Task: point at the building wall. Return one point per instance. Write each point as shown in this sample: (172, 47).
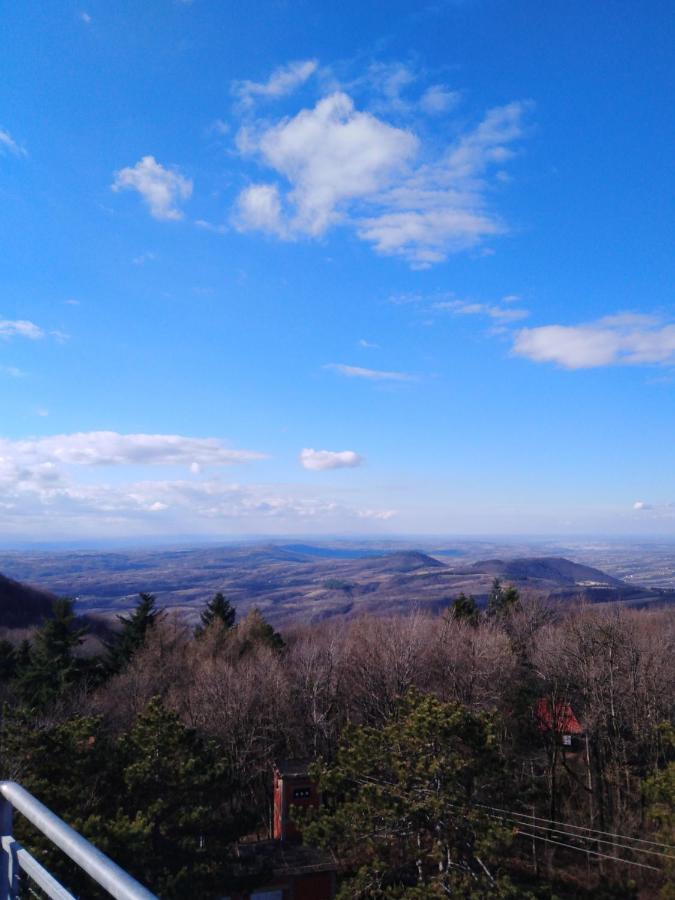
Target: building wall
(290, 792)
(313, 887)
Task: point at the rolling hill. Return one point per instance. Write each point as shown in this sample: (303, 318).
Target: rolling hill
(304, 582)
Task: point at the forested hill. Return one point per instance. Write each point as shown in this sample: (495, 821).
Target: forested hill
(546, 568)
(22, 606)
(302, 583)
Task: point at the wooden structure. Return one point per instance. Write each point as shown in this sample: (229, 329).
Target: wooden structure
(284, 868)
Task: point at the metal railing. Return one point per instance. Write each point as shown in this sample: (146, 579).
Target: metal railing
(15, 859)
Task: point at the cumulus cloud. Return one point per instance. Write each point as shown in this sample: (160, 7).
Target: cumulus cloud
(331, 155)
(259, 208)
(162, 189)
(370, 374)
(282, 81)
(109, 448)
(9, 145)
(10, 328)
(640, 505)
(624, 339)
(320, 460)
(341, 165)
(39, 493)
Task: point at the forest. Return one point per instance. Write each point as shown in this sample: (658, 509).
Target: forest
(526, 749)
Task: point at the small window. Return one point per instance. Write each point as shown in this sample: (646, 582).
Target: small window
(567, 740)
(301, 794)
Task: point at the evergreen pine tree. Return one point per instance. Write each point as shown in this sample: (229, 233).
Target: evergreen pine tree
(257, 631)
(7, 661)
(502, 599)
(52, 668)
(173, 826)
(131, 636)
(465, 608)
(401, 811)
(218, 609)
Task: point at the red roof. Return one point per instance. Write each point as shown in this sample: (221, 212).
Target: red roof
(558, 717)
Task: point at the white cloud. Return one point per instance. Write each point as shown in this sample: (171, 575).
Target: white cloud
(142, 258)
(109, 448)
(85, 17)
(332, 154)
(388, 82)
(20, 328)
(438, 99)
(368, 345)
(220, 126)
(382, 515)
(39, 493)
(319, 460)
(259, 208)
(371, 374)
(13, 372)
(493, 311)
(9, 145)
(624, 339)
(640, 504)
(162, 189)
(282, 81)
(344, 166)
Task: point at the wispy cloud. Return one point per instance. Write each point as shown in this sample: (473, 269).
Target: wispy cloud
(9, 145)
(162, 189)
(623, 339)
(320, 460)
(142, 258)
(493, 311)
(282, 81)
(13, 371)
(85, 17)
(10, 328)
(368, 345)
(370, 374)
(342, 165)
(438, 99)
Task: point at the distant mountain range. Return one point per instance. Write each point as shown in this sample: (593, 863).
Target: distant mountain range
(293, 582)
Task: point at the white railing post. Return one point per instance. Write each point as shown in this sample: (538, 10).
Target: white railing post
(118, 883)
(9, 875)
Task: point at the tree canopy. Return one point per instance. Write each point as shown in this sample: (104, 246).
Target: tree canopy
(400, 807)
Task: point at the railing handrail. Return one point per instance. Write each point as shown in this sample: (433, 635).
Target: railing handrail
(104, 871)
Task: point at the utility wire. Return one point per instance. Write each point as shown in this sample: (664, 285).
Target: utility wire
(626, 862)
(577, 827)
(582, 837)
(596, 853)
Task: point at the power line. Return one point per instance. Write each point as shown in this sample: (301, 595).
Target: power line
(583, 837)
(627, 862)
(577, 827)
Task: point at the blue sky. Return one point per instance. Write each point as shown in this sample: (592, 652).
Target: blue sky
(336, 268)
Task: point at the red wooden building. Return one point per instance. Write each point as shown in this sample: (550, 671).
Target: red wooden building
(284, 868)
(557, 718)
